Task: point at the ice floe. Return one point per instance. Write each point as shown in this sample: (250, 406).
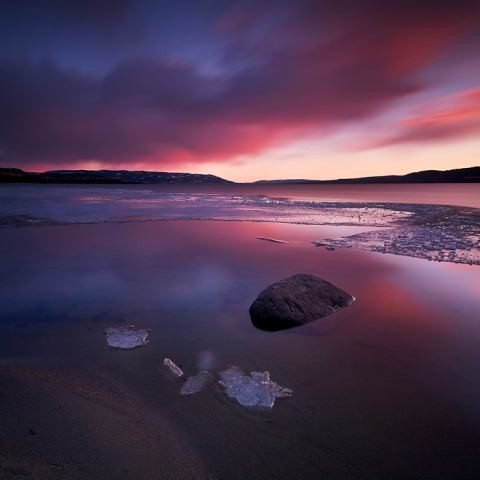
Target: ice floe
(251, 390)
(175, 369)
(254, 390)
(274, 240)
(196, 383)
(126, 337)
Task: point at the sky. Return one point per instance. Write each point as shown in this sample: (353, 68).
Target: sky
(245, 90)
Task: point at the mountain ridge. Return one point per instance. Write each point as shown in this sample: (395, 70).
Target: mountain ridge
(16, 175)
(457, 175)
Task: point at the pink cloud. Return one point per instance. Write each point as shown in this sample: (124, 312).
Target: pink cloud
(447, 117)
(315, 65)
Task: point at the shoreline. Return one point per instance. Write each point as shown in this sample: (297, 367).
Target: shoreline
(393, 237)
(354, 373)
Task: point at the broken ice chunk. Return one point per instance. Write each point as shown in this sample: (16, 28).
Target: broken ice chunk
(177, 371)
(126, 337)
(197, 383)
(254, 390)
(274, 240)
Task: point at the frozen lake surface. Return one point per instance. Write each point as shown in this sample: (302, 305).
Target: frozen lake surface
(449, 233)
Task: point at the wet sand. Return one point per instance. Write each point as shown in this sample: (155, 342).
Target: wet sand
(387, 388)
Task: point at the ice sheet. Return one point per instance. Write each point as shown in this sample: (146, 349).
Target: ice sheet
(434, 232)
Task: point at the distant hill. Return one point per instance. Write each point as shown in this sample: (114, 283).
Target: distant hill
(459, 175)
(13, 175)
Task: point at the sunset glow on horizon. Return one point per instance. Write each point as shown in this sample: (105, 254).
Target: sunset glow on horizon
(323, 90)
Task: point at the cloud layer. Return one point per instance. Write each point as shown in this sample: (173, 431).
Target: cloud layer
(266, 75)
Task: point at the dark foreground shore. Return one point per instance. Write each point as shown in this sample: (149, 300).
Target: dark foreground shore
(386, 388)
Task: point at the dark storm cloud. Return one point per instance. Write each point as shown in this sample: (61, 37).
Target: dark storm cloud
(100, 12)
(279, 68)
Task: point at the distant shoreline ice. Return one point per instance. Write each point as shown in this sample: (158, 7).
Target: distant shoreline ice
(432, 232)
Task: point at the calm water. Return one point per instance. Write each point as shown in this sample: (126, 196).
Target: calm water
(443, 194)
(387, 388)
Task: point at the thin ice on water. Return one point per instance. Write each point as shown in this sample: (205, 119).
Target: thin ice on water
(443, 233)
(254, 390)
(126, 337)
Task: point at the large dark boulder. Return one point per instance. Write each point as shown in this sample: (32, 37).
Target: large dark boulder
(297, 300)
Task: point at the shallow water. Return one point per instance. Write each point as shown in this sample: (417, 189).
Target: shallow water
(386, 388)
